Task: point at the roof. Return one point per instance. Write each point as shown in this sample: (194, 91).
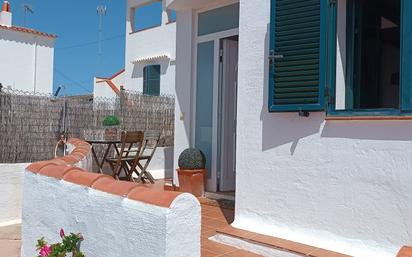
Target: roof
(29, 31)
(152, 59)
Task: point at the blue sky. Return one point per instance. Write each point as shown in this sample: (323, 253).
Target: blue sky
(76, 24)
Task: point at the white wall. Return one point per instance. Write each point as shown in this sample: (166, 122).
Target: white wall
(341, 185)
(149, 43)
(183, 87)
(111, 225)
(103, 89)
(19, 58)
(11, 188)
(161, 166)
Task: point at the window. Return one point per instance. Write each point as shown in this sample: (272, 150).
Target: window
(148, 16)
(373, 47)
(151, 80)
(219, 19)
(349, 57)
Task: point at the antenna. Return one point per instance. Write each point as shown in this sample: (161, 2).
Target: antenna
(101, 12)
(27, 9)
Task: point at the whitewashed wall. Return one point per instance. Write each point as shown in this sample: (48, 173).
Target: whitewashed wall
(183, 87)
(19, 58)
(102, 89)
(11, 188)
(161, 166)
(149, 43)
(111, 225)
(341, 185)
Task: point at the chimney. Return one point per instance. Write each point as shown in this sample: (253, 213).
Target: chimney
(5, 14)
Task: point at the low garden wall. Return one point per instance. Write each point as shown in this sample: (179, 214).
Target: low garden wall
(11, 183)
(116, 218)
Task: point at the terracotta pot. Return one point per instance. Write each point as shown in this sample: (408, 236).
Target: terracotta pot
(192, 181)
(110, 133)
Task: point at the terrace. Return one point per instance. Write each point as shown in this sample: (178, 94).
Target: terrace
(61, 192)
(70, 169)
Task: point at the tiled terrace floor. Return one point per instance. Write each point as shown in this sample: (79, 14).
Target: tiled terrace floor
(10, 241)
(212, 219)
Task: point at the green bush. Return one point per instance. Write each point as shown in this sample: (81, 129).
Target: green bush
(191, 159)
(111, 120)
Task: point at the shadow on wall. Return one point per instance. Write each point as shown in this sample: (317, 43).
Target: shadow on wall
(168, 162)
(138, 67)
(283, 128)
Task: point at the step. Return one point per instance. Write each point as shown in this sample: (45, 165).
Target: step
(267, 245)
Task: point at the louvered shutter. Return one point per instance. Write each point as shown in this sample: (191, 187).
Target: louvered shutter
(297, 55)
(151, 80)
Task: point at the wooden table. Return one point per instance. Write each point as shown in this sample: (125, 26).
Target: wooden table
(109, 144)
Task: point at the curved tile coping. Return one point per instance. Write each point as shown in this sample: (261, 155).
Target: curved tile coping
(64, 168)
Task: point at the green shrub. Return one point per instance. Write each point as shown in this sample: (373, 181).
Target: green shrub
(111, 120)
(191, 159)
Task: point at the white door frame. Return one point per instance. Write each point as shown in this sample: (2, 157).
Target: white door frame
(211, 183)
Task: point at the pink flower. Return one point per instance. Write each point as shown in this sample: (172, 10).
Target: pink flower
(62, 233)
(45, 251)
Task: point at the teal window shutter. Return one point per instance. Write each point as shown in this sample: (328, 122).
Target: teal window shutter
(406, 55)
(298, 45)
(151, 80)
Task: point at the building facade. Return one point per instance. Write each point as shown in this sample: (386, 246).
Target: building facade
(27, 56)
(302, 108)
(150, 50)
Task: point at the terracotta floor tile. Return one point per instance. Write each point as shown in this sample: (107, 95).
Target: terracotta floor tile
(216, 247)
(326, 253)
(207, 234)
(207, 253)
(229, 230)
(284, 244)
(241, 253)
(214, 223)
(10, 248)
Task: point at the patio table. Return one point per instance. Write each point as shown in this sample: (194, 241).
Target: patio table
(108, 144)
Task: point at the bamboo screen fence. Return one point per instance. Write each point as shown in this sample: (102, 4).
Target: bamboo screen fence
(30, 124)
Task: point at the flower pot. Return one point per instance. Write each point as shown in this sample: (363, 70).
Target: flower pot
(110, 133)
(192, 181)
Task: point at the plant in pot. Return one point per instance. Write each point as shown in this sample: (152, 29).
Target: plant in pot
(111, 122)
(191, 172)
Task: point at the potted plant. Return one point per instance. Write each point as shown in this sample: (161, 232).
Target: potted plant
(111, 122)
(191, 172)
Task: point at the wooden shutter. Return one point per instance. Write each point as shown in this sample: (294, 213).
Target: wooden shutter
(297, 55)
(151, 80)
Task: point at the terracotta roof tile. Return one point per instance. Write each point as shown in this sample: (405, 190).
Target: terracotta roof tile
(405, 251)
(27, 30)
(109, 185)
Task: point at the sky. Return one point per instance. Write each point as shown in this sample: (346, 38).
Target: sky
(76, 23)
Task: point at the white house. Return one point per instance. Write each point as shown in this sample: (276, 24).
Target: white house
(109, 87)
(304, 109)
(27, 56)
(150, 51)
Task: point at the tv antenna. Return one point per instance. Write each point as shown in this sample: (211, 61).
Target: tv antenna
(27, 9)
(101, 12)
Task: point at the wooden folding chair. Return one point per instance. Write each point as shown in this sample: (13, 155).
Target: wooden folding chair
(150, 143)
(129, 154)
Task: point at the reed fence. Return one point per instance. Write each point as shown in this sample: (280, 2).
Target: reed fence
(31, 124)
